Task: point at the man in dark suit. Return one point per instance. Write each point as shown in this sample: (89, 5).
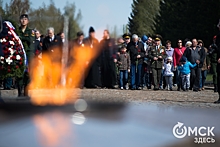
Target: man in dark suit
(195, 54)
(137, 53)
(38, 43)
(51, 41)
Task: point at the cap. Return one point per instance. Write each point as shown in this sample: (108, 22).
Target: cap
(183, 59)
(91, 30)
(126, 36)
(24, 16)
(80, 33)
(157, 39)
(144, 38)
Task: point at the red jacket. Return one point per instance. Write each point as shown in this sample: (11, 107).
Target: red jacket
(177, 55)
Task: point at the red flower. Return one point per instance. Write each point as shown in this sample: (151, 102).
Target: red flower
(9, 70)
(139, 50)
(17, 66)
(20, 63)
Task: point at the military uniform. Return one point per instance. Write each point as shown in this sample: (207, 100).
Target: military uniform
(212, 56)
(156, 65)
(28, 40)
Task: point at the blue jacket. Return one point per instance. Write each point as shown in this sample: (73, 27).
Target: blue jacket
(185, 69)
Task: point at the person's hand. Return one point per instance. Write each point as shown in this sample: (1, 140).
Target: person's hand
(138, 56)
(118, 53)
(155, 58)
(209, 67)
(197, 61)
(115, 60)
(128, 70)
(219, 60)
(175, 67)
(160, 57)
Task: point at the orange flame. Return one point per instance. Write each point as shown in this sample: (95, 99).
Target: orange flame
(53, 129)
(46, 74)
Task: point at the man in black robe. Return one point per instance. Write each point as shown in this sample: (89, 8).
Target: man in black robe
(93, 79)
(108, 60)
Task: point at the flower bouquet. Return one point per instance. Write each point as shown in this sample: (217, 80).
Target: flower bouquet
(12, 63)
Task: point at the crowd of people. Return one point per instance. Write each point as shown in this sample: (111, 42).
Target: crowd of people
(133, 62)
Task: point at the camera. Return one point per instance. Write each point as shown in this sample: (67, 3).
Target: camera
(212, 49)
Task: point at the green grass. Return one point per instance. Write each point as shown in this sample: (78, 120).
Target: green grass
(209, 77)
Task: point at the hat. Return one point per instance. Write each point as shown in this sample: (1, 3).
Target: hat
(169, 58)
(183, 59)
(24, 16)
(144, 38)
(126, 36)
(200, 41)
(80, 33)
(188, 43)
(157, 37)
(91, 30)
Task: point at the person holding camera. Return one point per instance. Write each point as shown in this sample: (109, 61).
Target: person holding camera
(212, 53)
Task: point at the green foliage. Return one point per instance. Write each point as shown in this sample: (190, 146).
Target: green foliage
(73, 20)
(142, 17)
(188, 19)
(45, 17)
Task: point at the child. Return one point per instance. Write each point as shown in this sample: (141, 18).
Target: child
(184, 69)
(168, 73)
(124, 64)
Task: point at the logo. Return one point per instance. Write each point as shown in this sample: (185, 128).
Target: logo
(205, 134)
(179, 131)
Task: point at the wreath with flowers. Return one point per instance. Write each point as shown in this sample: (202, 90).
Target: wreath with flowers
(12, 63)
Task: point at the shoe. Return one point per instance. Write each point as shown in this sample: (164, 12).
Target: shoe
(171, 89)
(133, 88)
(148, 87)
(184, 89)
(161, 88)
(187, 89)
(174, 85)
(190, 88)
(122, 88)
(178, 89)
(139, 88)
(200, 89)
(203, 88)
(126, 86)
(195, 90)
(156, 88)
